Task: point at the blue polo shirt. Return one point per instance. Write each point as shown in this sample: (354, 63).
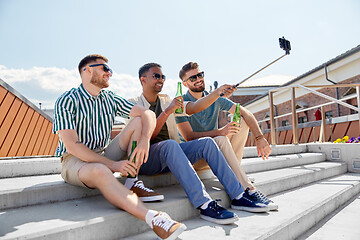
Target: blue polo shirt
(207, 119)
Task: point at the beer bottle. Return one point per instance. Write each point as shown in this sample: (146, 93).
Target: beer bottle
(133, 146)
(237, 116)
(179, 94)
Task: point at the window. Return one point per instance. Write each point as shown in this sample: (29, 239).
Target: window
(285, 123)
(302, 119)
(328, 114)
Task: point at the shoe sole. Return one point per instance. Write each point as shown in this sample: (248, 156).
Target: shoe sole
(220, 221)
(273, 207)
(251, 209)
(152, 198)
(176, 233)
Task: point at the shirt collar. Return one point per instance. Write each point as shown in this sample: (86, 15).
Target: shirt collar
(87, 95)
(189, 96)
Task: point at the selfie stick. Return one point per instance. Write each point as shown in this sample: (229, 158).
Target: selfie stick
(284, 44)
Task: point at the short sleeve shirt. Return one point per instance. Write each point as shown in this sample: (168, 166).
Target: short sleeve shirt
(91, 117)
(207, 119)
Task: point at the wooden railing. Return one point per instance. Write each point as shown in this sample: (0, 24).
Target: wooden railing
(323, 133)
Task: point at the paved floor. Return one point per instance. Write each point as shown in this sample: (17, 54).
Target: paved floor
(344, 225)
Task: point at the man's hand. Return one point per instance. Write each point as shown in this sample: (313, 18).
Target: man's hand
(226, 89)
(263, 148)
(141, 152)
(175, 104)
(125, 167)
(230, 129)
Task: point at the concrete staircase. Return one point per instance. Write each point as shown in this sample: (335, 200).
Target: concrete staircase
(35, 202)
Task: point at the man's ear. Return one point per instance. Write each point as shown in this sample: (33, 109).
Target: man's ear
(184, 83)
(142, 80)
(87, 70)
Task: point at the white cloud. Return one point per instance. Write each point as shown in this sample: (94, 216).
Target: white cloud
(45, 84)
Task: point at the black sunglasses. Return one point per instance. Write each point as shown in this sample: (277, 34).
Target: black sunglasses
(105, 67)
(157, 76)
(193, 78)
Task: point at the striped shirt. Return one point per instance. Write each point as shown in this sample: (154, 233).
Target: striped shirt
(91, 117)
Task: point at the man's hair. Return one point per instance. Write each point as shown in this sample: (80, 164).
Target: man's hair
(146, 68)
(89, 59)
(187, 67)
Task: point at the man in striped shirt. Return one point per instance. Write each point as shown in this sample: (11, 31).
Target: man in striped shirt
(83, 119)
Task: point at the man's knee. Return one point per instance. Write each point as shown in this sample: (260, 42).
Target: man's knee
(243, 126)
(135, 123)
(170, 145)
(208, 142)
(94, 172)
(222, 141)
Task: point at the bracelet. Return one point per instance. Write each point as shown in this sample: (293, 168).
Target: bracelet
(259, 137)
(165, 113)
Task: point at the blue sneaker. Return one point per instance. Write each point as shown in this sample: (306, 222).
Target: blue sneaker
(249, 203)
(217, 214)
(262, 198)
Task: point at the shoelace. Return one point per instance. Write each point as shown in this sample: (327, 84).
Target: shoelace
(263, 197)
(164, 221)
(251, 197)
(258, 196)
(141, 185)
(217, 207)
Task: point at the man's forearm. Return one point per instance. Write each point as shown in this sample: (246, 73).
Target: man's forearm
(251, 121)
(202, 103)
(82, 152)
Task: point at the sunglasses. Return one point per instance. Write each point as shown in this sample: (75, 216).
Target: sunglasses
(157, 76)
(105, 67)
(193, 78)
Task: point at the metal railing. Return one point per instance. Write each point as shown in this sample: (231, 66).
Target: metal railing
(294, 111)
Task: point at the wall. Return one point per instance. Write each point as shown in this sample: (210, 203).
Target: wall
(24, 129)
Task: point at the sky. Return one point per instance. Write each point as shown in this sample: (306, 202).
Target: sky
(42, 41)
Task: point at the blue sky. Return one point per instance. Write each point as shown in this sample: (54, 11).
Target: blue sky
(42, 41)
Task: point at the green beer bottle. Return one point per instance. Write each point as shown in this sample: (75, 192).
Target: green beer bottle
(179, 94)
(237, 116)
(133, 146)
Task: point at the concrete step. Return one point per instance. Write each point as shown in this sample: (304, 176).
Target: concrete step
(251, 152)
(343, 224)
(30, 166)
(91, 218)
(257, 164)
(24, 191)
(250, 165)
(299, 210)
(279, 180)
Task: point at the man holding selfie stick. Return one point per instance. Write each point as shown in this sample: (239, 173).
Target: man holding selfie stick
(231, 138)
